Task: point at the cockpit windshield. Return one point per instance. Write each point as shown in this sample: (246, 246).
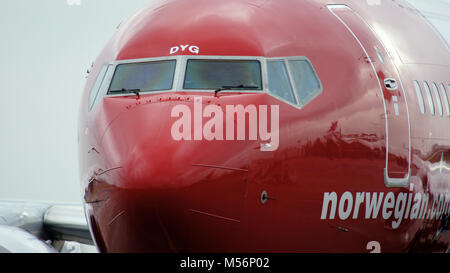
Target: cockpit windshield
(149, 76)
(223, 74)
(291, 79)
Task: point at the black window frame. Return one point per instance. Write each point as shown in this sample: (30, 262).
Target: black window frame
(261, 74)
(144, 62)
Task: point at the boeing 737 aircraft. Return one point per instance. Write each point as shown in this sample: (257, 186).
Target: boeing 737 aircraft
(265, 126)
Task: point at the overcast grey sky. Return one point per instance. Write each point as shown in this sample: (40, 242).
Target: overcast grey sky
(438, 13)
(45, 49)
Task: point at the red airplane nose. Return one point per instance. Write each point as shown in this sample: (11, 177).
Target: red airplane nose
(166, 189)
(141, 141)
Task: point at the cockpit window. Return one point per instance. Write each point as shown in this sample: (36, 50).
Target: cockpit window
(217, 74)
(307, 85)
(149, 76)
(95, 89)
(279, 83)
(292, 79)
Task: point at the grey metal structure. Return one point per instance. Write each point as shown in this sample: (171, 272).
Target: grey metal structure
(39, 227)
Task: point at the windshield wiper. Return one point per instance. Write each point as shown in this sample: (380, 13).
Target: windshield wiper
(123, 90)
(226, 87)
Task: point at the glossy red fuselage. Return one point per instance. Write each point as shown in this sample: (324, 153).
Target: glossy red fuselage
(146, 192)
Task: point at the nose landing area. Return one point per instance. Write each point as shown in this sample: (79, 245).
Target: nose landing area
(167, 195)
(203, 217)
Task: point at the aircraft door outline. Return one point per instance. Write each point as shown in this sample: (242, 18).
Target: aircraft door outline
(393, 94)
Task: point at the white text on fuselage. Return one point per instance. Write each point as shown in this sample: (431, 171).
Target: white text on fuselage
(398, 207)
(184, 48)
(213, 129)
